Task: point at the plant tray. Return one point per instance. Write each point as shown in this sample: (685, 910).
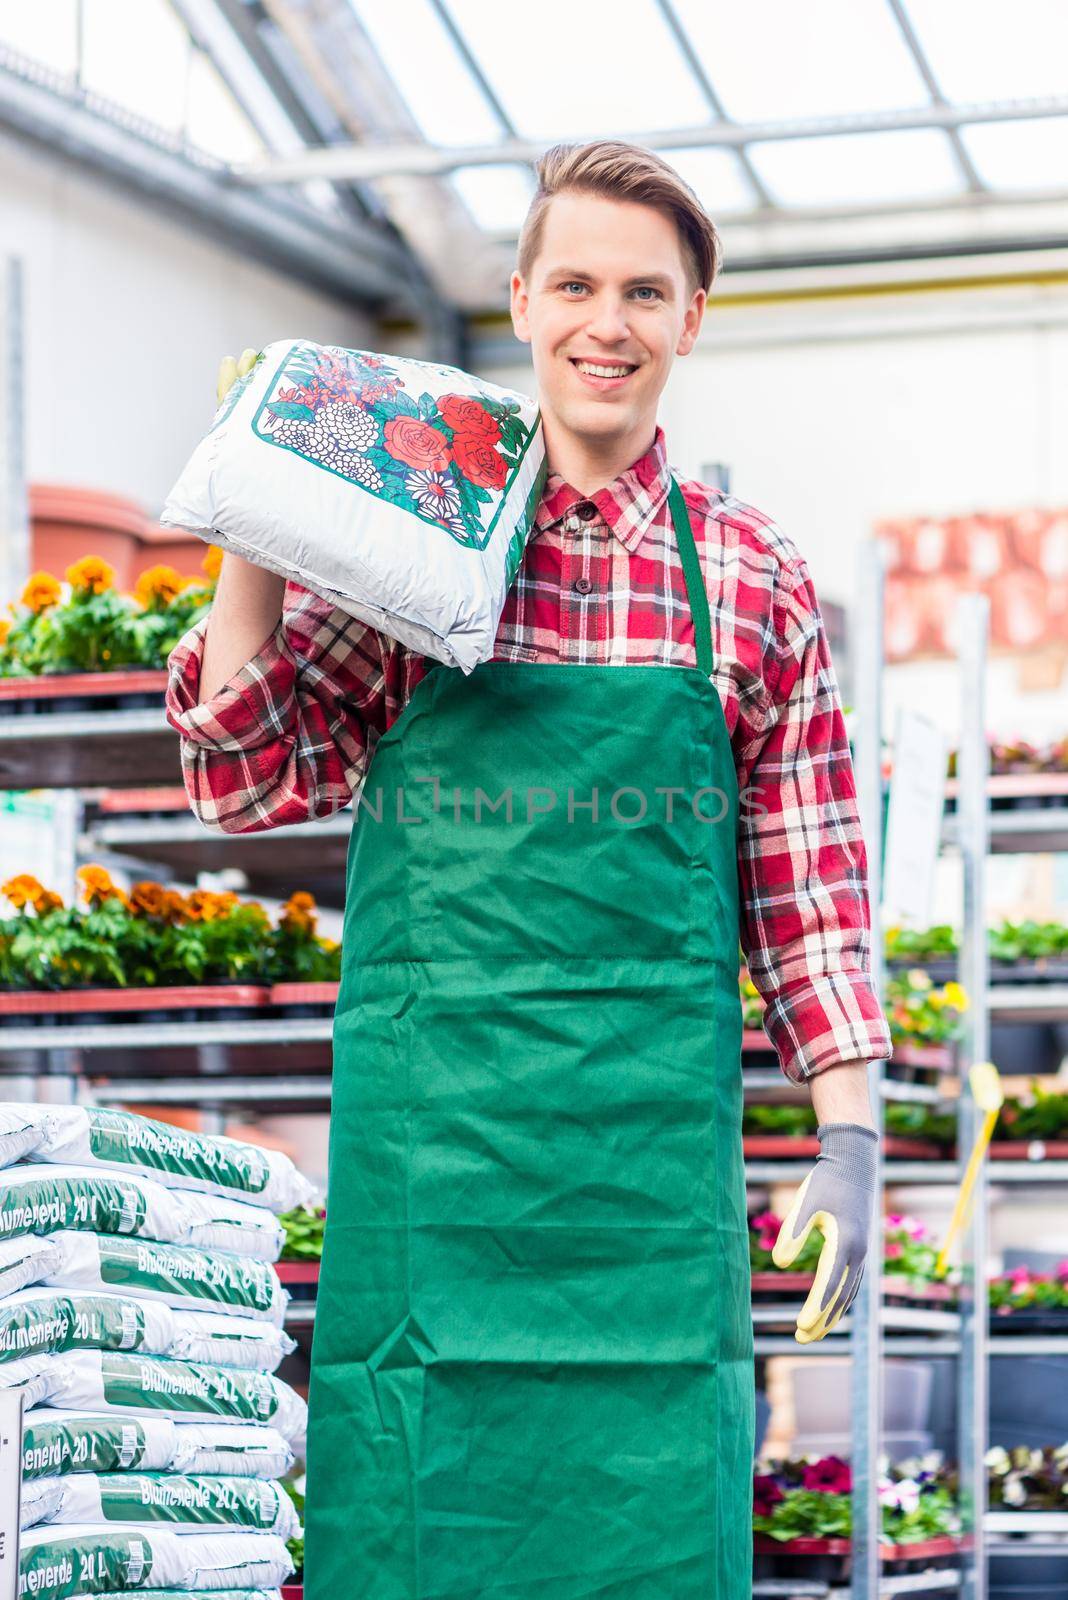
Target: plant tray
(55, 692)
(303, 994)
(1030, 1319)
(290, 1272)
(790, 1147)
(77, 1005)
(770, 1285)
(1028, 1150)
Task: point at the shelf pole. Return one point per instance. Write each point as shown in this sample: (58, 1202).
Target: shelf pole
(973, 613)
(866, 1333)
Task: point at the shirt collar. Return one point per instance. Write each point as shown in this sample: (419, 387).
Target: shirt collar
(627, 505)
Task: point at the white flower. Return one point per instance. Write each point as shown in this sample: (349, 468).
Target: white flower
(433, 492)
(1014, 1493)
(997, 1458)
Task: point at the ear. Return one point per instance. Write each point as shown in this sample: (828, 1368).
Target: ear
(520, 308)
(691, 323)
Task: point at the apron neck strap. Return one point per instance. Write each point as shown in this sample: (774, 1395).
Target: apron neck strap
(695, 584)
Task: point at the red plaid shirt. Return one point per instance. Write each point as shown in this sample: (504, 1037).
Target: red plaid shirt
(290, 736)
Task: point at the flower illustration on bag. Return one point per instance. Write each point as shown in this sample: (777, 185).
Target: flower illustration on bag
(445, 459)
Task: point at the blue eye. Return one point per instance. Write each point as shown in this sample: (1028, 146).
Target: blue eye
(650, 287)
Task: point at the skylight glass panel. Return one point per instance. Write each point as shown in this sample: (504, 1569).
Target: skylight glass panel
(137, 54)
(770, 59)
(426, 67)
(497, 197)
(48, 34)
(857, 168)
(237, 68)
(577, 70)
(1023, 156)
(216, 122)
(716, 176)
(991, 50)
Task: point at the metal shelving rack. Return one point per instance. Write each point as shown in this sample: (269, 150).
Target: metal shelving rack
(54, 1061)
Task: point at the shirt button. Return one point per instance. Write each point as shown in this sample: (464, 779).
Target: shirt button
(586, 510)
(582, 585)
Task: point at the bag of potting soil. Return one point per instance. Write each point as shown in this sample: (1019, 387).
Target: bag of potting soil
(20, 1129)
(122, 1141)
(98, 1380)
(180, 1276)
(243, 1558)
(39, 1501)
(229, 1341)
(56, 1442)
(207, 1594)
(46, 1199)
(401, 491)
(231, 1449)
(37, 1376)
(172, 1497)
(58, 1563)
(38, 1320)
(25, 1260)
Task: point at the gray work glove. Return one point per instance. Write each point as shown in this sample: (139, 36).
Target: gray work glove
(837, 1197)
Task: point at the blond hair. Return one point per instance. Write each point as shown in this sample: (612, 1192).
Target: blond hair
(620, 171)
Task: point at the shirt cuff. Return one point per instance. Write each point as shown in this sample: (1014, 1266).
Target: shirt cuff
(256, 706)
(819, 1022)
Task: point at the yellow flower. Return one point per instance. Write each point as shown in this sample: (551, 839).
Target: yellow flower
(42, 590)
(158, 583)
(5, 629)
(91, 573)
(212, 562)
(23, 890)
(956, 996)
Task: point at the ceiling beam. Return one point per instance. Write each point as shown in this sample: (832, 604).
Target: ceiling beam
(364, 162)
(363, 264)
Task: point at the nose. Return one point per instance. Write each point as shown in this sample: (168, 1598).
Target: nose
(608, 321)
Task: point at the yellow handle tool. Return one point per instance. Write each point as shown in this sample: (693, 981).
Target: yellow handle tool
(986, 1090)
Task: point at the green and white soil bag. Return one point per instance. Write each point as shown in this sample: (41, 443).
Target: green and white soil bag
(20, 1129)
(401, 491)
(123, 1558)
(172, 1497)
(47, 1199)
(58, 1563)
(27, 1259)
(56, 1442)
(228, 1341)
(204, 1594)
(39, 1501)
(38, 1320)
(122, 1141)
(134, 1385)
(180, 1276)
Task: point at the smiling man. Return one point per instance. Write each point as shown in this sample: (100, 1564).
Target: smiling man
(533, 1362)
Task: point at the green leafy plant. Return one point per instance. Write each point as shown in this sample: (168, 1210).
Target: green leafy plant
(304, 1228)
(922, 1011)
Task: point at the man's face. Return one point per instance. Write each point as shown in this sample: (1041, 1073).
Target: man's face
(607, 308)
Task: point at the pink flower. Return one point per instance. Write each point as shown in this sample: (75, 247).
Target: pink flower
(765, 1219)
(892, 1248)
(1019, 1275)
(766, 1493)
(894, 1219)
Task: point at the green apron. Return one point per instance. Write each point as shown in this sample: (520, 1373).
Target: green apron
(532, 1368)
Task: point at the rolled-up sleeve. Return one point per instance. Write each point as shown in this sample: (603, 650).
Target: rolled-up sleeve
(805, 915)
(289, 735)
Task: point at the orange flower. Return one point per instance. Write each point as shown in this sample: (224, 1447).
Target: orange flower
(174, 906)
(21, 891)
(158, 583)
(208, 905)
(5, 629)
(302, 900)
(212, 562)
(98, 887)
(42, 590)
(91, 573)
(47, 901)
(147, 897)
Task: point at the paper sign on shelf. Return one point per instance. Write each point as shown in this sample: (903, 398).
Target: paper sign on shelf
(914, 819)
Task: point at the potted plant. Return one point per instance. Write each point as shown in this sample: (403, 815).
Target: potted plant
(302, 1251)
(1022, 1301)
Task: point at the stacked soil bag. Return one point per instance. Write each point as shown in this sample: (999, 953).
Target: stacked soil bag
(141, 1314)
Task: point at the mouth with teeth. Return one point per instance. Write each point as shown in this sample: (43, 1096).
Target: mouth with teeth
(602, 374)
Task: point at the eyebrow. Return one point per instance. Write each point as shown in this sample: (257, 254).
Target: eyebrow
(660, 280)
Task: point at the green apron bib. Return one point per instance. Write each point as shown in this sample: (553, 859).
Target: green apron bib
(532, 1367)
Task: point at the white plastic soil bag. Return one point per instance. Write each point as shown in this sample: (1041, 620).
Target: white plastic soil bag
(123, 1141)
(27, 1259)
(56, 1442)
(46, 1199)
(97, 1558)
(401, 491)
(172, 1498)
(179, 1275)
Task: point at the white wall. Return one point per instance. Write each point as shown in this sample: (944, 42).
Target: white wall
(127, 315)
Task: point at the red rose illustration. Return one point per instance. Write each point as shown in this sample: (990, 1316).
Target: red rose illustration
(416, 443)
(477, 458)
(467, 416)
